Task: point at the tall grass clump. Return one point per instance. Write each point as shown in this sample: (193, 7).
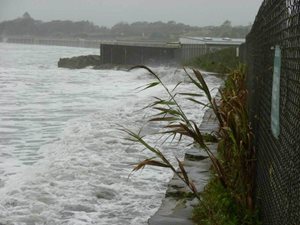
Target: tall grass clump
(233, 202)
(228, 197)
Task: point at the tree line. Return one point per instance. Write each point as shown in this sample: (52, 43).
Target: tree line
(27, 26)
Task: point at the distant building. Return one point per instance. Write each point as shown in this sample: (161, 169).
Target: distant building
(192, 47)
(132, 53)
(158, 53)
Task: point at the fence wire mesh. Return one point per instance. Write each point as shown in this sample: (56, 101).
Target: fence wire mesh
(278, 160)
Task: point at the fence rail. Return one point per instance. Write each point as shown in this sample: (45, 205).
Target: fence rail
(278, 159)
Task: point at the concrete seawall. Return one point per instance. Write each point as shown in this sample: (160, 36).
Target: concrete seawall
(176, 210)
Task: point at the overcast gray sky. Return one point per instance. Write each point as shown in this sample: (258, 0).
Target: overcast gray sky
(110, 12)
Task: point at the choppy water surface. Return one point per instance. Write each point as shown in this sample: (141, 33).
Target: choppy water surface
(62, 158)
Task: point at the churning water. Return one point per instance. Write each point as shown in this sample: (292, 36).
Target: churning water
(62, 158)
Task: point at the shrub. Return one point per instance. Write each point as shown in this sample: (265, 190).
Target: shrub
(221, 61)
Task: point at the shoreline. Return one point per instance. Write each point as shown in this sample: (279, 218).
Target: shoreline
(177, 207)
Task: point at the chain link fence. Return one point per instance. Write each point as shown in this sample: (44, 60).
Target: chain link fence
(278, 159)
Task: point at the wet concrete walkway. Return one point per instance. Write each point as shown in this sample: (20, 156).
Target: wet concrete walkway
(175, 208)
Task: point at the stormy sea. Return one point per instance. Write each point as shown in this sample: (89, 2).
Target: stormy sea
(63, 158)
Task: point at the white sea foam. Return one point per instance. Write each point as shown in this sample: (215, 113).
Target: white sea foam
(63, 159)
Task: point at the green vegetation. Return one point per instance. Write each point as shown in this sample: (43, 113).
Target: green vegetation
(210, 138)
(172, 31)
(217, 207)
(222, 61)
(228, 198)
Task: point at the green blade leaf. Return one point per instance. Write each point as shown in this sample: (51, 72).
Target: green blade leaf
(198, 102)
(184, 173)
(153, 84)
(191, 94)
(149, 162)
(164, 119)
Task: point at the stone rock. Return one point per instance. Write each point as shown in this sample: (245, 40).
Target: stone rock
(79, 62)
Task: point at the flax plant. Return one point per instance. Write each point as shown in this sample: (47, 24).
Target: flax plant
(233, 203)
(233, 166)
(178, 124)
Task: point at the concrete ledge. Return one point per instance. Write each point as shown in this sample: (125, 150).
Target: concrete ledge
(176, 208)
(169, 221)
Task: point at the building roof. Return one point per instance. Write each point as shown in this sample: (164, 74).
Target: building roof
(211, 41)
(141, 43)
